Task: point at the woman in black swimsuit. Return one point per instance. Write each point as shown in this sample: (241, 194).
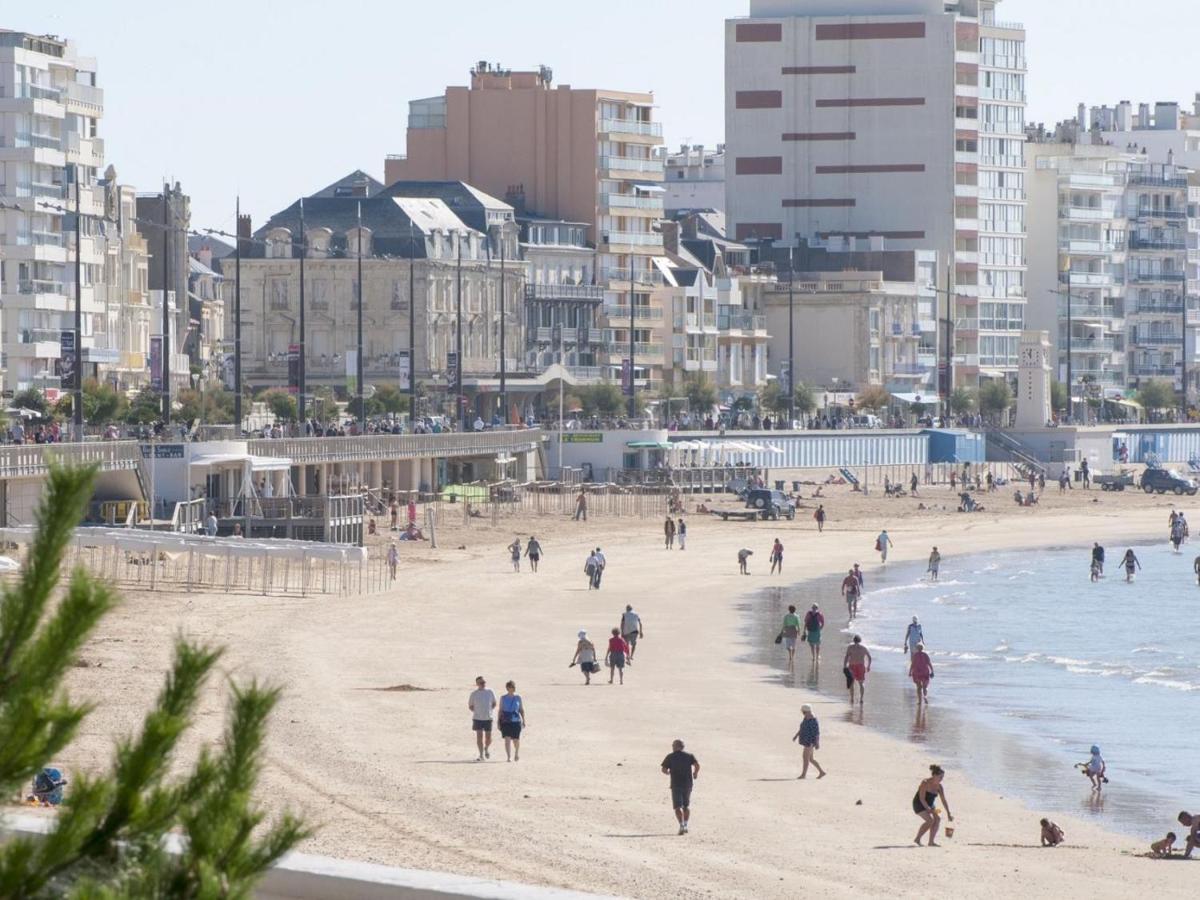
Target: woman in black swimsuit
(923, 805)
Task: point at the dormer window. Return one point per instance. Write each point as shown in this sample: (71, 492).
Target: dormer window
(318, 242)
(279, 243)
(358, 242)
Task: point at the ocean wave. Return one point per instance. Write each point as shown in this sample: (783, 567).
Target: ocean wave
(1002, 647)
(1167, 682)
(1148, 648)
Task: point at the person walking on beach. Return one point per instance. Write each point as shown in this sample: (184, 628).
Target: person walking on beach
(913, 635)
(777, 557)
(394, 514)
(882, 543)
(684, 769)
(1177, 533)
(481, 703)
(809, 737)
(1130, 562)
(669, 533)
(789, 631)
(615, 657)
(858, 662)
(1196, 568)
(743, 557)
(512, 721)
(393, 560)
(681, 530)
(631, 629)
(601, 565)
(819, 515)
(859, 575)
(814, 622)
(935, 561)
(581, 506)
(920, 670)
(585, 655)
(912, 484)
(514, 551)
(1097, 561)
(533, 550)
(924, 801)
(851, 588)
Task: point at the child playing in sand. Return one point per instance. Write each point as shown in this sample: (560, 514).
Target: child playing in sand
(1163, 848)
(1052, 835)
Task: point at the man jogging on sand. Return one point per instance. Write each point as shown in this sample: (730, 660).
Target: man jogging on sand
(857, 662)
(684, 769)
(481, 703)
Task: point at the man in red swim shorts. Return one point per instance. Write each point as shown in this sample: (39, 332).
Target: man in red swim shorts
(857, 663)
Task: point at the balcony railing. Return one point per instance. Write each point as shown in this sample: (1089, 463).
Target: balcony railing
(1154, 212)
(1152, 180)
(1155, 339)
(589, 292)
(40, 286)
(629, 201)
(1157, 277)
(630, 164)
(32, 92)
(1138, 242)
(1086, 279)
(620, 273)
(632, 238)
(39, 335)
(1153, 370)
(654, 313)
(1100, 345)
(85, 94)
(632, 126)
(645, 349)
(741, 321)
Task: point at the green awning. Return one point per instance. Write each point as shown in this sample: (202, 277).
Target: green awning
(648, 445)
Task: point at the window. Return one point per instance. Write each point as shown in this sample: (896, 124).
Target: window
(277, 291)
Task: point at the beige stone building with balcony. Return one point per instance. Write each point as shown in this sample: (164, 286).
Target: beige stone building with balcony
(412, 238)
(579, 155)
(122, 334)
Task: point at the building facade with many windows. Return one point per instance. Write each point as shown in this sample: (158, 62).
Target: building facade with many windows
(901, 121)
(580, 155)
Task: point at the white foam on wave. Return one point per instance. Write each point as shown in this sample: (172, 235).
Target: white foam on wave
(1166, 682)
(1148, 648)
(1002, 647)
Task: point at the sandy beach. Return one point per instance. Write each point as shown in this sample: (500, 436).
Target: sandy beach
(372, 739)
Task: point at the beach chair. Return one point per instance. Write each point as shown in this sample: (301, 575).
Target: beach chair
(850, 477)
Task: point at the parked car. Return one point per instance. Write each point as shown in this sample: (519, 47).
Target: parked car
(865, 421)
(771, 504)
(1163, 480)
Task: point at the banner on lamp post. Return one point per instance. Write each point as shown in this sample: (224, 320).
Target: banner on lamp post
(405, 373)
(156, 361)
(627, 377)
(293, 368)
(66, 360)
(352, 372)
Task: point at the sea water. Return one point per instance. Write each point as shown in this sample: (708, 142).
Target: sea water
(1034, 664)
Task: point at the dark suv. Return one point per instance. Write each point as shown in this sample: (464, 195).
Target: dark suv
(771, 504)
(1163, 480)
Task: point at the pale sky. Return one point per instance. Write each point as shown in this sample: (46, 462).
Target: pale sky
(274, 99)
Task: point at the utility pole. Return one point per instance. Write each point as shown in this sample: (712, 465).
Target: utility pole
(458, 342)
(503, 361)
(300, 373)
(791, 382)
(412, 329)
(1183, 375)
(632, 348)
(77, 353)
(237, 317)
(358, 360)
(166, 314)
(1070, 373)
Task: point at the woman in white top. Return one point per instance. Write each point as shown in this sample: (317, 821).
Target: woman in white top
(585, 655)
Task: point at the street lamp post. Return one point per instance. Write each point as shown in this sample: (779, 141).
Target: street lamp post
(358, 359)
(503, 349)
(300, 373)
(77, 353)
(458, 342)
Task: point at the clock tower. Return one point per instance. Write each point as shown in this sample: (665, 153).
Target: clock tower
(1033, 380)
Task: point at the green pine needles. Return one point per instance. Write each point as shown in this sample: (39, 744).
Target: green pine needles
(111, 836)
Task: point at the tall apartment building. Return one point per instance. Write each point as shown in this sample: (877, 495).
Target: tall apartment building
(578, 155)
(50, 108)
(1114, 228)
(893, 119)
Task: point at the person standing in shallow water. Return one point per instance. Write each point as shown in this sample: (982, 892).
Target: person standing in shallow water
(1130, 562)
(857, 662)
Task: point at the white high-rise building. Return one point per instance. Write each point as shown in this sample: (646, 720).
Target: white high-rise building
(50, 110)
(898, 122)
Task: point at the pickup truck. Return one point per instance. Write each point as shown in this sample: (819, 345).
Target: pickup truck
(762, 503)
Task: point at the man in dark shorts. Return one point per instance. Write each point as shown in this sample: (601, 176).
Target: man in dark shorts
(851, 589)
(481, 703)
(684, 769)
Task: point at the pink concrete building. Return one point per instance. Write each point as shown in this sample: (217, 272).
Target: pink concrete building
(582, 155)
